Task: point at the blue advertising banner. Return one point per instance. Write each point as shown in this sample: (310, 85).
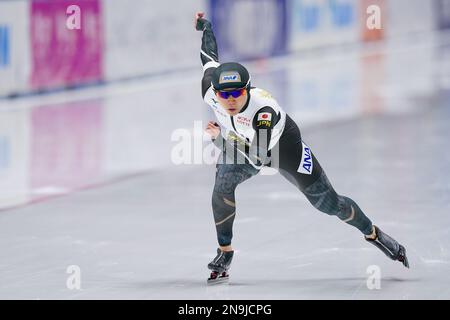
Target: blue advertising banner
(310, 16)
(443, 13)
(322, 23)
(4, 46)
(249, 29)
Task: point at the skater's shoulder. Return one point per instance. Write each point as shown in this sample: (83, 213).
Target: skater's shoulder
(260, 93)
(262, 97)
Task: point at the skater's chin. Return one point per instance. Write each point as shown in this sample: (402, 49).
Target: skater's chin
(232, 111)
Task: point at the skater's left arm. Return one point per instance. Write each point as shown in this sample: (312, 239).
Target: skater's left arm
(265, 119)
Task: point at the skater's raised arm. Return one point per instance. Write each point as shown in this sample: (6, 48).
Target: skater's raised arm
(208, 53)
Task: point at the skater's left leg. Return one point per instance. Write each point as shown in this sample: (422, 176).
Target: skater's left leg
(323, 197)
(300, 167)
(313, 182)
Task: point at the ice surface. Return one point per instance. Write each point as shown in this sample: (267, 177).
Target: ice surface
(105, 196)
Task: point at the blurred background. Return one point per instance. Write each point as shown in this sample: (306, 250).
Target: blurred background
(79, 106)
(90, 107)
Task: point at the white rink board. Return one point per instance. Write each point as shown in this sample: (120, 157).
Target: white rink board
(405, 17)
(14, 16)
(149, 36)
(15, 141)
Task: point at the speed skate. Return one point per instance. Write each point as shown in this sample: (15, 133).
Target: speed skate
(218, 278)
(219, 267)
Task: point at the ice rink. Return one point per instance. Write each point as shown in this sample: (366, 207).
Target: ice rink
(92, 184)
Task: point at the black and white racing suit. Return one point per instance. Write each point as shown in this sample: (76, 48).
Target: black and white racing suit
(262, 134)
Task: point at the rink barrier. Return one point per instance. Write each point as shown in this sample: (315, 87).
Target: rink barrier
(32, 64)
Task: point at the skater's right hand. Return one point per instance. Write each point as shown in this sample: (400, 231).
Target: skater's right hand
(213, 129)
(199, 22)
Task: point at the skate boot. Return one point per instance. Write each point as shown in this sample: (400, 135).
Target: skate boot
(219, 267)
(389, 246)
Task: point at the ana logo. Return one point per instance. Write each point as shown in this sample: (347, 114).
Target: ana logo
(229, 76)
(306, 165)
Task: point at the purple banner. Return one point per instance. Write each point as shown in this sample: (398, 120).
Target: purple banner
(443, 13)
(249, 29)
(64, 54)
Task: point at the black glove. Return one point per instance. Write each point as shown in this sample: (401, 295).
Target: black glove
(202, 24)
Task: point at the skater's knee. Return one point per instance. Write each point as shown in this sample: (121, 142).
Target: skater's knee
(322, 196)
(227, 179)
(351, 213)
(328, 204)
(335, 205)
(346, 209)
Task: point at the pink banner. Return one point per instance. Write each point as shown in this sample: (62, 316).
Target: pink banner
(63, 55)
(66, 145)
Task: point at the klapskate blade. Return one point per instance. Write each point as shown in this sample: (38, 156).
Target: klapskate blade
(218, 280)
(405, 258)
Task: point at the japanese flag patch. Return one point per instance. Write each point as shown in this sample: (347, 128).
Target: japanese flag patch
(264, 116)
